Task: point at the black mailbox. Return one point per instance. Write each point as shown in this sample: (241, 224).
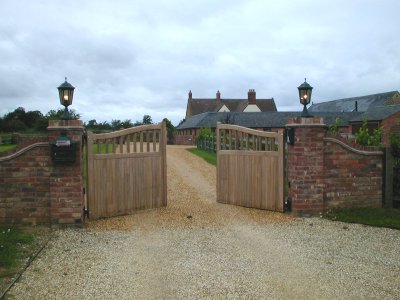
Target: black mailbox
(63, 150)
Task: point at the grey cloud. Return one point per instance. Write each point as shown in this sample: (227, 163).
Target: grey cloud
(129, 58)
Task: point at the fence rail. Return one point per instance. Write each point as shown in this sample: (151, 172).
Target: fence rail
(232, 137)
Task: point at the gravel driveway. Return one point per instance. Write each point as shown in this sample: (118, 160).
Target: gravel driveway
(196, 248)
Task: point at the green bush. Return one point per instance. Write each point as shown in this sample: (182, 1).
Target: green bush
(334, 128)
(205, 133)
(365, 138)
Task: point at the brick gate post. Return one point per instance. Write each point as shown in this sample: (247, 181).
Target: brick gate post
(305, 164)
(66, 183)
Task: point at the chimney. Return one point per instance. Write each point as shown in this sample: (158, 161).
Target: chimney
(218, 96)
(190, 95)
(252, 96)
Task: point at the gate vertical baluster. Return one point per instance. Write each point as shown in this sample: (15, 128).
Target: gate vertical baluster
(135, 142)
(154, 137)
(121, 144)
(148, 141)
(236, 140)
(114, 143)
(141, 141)
(128, 143)
(229, 141)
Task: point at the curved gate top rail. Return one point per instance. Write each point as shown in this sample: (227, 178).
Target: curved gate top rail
(233, 137)
(145, 138)
(127, 170)
(250, 167)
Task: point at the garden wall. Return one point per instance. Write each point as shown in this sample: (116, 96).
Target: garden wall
(184, 139)
(353, 177)
(25, 186)
(325, 172)
(36, 190)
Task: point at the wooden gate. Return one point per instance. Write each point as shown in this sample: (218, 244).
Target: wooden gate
(250, 167)
(127, 170)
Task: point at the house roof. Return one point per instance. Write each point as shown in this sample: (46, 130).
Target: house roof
(377, 114)
(259, 119)
(197, 106)
(364, 103)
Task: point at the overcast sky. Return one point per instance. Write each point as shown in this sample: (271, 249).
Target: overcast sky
(131, 58)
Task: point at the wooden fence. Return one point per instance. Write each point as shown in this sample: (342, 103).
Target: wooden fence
(208, 143)
(127, 170)
(250, 167)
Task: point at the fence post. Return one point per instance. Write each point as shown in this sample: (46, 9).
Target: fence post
(388, 178)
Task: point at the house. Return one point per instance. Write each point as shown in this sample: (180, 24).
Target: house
(197, 106)
(267, 121)
(378, 109)
(348, 122)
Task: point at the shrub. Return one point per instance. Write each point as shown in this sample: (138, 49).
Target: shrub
(365, 138)
(334, 128)
(205, 133)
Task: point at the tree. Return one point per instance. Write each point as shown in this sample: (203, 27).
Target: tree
(116, 124)
(127, 123)
(137, 123)
(170, 129)
(147, 120)
(17, 114)
(56, 114)
(91, 123)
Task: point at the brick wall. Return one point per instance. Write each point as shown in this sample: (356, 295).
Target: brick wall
(305, 166)
(25, 188)
(353, 178)
(390, 124)
(184, 139)
(325, 173)
(35, 190)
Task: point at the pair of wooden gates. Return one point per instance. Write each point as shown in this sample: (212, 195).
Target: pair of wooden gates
(126, 170)
(250, 167)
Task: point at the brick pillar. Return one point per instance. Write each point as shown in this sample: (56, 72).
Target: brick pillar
(66, 183)
(306, 165)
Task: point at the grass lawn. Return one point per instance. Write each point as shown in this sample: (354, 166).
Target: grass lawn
(380, 217)
(207, 156)
(18, 244)
(14, 243)
(7, 147)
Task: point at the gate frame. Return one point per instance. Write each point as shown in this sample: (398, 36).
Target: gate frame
(279, 140)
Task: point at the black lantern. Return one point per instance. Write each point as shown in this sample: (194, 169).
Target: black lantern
(66, 92)
(305, 91)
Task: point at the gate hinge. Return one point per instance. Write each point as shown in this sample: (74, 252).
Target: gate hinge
(86, 212)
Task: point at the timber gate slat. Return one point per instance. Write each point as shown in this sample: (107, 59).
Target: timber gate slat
(124, 175)
(250, 170)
